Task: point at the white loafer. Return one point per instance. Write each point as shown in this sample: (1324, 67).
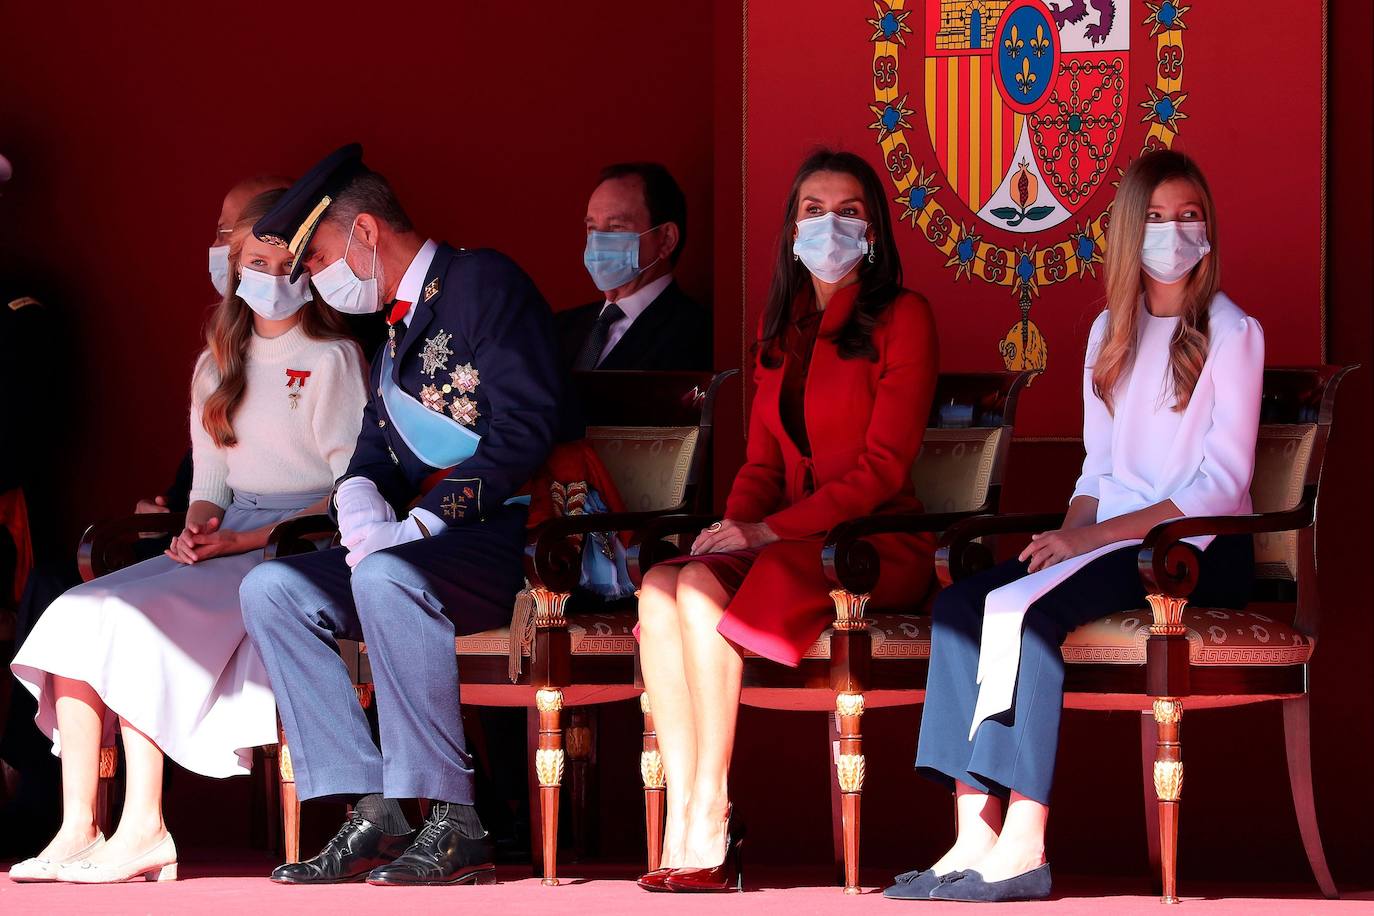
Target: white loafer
(35, 870)
(156, 864)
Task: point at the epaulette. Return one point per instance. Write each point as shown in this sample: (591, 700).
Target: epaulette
(17, 304)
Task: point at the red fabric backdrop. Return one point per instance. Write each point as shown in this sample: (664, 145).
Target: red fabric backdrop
(127, 123)
(1253, 123)
(125, 126)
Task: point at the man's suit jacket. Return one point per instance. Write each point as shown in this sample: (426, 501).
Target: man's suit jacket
(672, 333)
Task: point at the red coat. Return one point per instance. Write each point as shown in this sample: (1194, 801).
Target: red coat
(865, 420)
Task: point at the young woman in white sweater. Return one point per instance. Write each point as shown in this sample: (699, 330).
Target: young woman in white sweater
(159, 648)
(1171, 400)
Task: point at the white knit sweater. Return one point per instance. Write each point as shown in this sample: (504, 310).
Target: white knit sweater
(286, 445)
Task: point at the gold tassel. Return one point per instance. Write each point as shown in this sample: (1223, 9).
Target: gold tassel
(521, 632)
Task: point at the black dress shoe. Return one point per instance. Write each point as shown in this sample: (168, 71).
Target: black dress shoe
(440, 855)
(355, 850)
(1032, 885)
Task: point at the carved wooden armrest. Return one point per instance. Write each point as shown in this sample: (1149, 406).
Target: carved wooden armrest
(1169, 567)
(851, 562)
(107, 546)
(297, 535)
(958, 556)
(650, 545)
(553, 558)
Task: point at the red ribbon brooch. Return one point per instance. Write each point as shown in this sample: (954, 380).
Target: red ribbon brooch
(295, 381)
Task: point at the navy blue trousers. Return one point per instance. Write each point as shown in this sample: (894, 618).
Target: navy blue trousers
(1015, 751)
(408, 603)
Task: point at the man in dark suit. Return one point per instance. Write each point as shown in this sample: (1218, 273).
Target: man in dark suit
(465, 402)
(636, 230)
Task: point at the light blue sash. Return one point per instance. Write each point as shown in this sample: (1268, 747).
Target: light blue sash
(437, 440)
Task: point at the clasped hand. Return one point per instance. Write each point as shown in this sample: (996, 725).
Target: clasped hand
(730, 535)
(201, 542)
(1050, 547)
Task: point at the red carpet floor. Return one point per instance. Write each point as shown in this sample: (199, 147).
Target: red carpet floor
(237, 887)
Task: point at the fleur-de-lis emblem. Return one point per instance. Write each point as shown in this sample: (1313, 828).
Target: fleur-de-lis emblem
(1039, 44)
(1013, 44)
(1025, 79)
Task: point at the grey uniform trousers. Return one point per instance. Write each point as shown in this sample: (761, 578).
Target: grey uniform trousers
(407, 603)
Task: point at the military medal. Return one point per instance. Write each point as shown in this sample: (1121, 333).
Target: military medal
(391, 336)
(295, 381)
(464, 410)
(465, 379)
(436, 353)
(431, 398)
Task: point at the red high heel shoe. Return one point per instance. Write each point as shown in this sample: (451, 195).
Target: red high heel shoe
(655, 880)
(727, 876)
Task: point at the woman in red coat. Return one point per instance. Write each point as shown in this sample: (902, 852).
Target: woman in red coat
(845, 375)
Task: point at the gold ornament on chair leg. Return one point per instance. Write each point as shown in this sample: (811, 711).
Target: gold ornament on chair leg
(1168, 773)
(849, 609)
(548, 764)
(288, 774)
(1168, 615)
(651, 769)
(850, 768)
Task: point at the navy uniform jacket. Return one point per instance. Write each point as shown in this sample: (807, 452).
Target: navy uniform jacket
(481, 308)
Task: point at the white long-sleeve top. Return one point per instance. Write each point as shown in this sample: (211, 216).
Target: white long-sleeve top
(295, 432)
(1202, 457)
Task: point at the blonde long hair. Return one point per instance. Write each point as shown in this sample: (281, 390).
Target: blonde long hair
(229, 330)
(1125, 235)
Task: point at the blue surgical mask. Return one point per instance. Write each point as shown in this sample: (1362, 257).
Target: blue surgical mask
(612, 258)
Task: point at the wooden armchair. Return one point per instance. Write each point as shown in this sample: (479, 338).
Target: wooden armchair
(864, 660)
(1156, 659)
(652, 430)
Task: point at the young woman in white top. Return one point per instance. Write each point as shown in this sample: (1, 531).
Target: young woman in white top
(1171, 400)
(159, 648)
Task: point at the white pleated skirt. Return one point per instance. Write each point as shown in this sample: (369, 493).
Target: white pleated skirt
(163, 644)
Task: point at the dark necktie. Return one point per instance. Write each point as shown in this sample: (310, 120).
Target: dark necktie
(597, 336)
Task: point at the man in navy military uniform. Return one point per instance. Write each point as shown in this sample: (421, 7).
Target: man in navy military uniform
(465, 403)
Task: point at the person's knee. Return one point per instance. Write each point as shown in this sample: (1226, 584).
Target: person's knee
(382, 569)
(698, 593)
(658, 600)
(263, 591)
(957, 605)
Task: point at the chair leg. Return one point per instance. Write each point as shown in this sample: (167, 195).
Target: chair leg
(849, 708)
(271, 793)
(1297, 741)
(581, 741)
(1148, 733)
(836, 797)
(655, 785)
(290, 804)
(548, 765)
(1168, 780)
(104, 796)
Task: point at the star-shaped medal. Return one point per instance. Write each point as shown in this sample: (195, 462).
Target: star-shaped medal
(431, 398)
(465, 378)
(464, 410)
(435, 354)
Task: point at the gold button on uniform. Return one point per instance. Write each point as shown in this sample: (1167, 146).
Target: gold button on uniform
(381, 424)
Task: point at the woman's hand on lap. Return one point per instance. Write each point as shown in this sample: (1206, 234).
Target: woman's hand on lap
(730, 535)
(202, 542)
(1050, 547)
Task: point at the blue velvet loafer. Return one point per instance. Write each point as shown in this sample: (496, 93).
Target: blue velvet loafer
(917, 885)
(1032, 885)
